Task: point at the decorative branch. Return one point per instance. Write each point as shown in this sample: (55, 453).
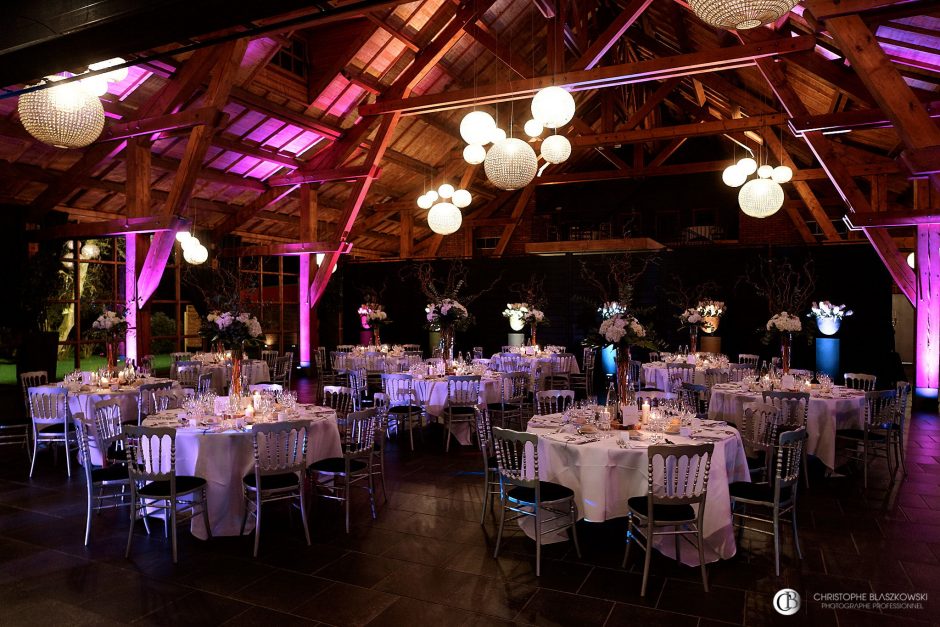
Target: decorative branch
(682, 297)
(784, 286)
(436, 289)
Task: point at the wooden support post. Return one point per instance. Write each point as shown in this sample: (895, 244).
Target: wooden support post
(927, 336)
(406, 232)
(137, 193)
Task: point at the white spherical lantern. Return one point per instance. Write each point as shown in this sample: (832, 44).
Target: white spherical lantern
(760, 198)
(191, 243)
(90, 251)
(424, 202)
(64, 116)
(556, 149)
(474, 154)
(553, 107)
(740, 14)
(445, 191)
(477, 127)
(510, 164)
(461, 198)
(910, 260)
(782, 174)
(533, 128)
(497, 136)
(733, 176)
(765, 171)
(95, 85)
(182, 236)
(431, 195)
(444, 218)
(197, 255)
(748, 166)
(114, 76)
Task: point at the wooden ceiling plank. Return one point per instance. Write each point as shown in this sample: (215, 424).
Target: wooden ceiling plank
(596, 78)
(612, 34)
(714, 127)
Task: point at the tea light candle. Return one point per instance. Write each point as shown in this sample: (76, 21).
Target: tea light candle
(645, 412)
(104, 381)
(249, 412)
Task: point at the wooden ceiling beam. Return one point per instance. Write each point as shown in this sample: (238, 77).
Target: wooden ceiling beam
(612, 34)
(858, 119)
(162, 124)
(109, 228)
(823, 9)
(597, 78)
(502, 51)
(210, 174)
(347, 174)
(890, 219)
(714, 127)
(911, 121)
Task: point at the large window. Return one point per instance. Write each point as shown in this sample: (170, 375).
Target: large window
(91, 279)
(273, 297)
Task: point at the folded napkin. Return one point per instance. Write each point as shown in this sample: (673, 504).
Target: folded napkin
(542, 423)
(570, 438)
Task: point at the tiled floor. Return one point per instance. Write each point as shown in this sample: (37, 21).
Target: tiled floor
(426, 560)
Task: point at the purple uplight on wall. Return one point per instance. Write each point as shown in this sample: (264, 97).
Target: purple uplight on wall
(927, 338)
(130, 296)
(304, 304)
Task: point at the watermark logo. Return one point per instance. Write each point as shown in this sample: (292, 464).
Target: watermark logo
(787, 601)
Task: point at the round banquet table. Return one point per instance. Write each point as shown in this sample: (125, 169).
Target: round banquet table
(432, 394)
(83, 398)
(352, 361)
(842, 409)
(223, 458)
(656, 375)
(256, 370)
(603, 476)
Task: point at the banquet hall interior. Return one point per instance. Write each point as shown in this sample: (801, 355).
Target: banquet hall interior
(470, 312)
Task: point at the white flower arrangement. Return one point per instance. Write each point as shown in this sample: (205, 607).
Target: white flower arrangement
(233, 328)
(374, 313)
(621, 328)
(110, 324)
(785, 323)
(691, 317)
(448, 311)
(710, 308)
(524, 312)
(825, 309)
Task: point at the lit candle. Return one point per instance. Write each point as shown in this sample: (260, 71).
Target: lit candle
(249, 412)
(645, 412)
(256, 400)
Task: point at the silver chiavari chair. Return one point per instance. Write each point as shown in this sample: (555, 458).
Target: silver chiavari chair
(463, 399)
(339, 399)
(145, 398)
(107, 483)
(749, 359)
(380, 404)
(860, 381)
(404, 408)
(553, 401)
(874, 439)
(49, 412)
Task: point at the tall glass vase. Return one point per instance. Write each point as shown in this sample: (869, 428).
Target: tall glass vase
(693, 339)
(376, 339)
(235, 384)
(447, 343)
(111, 347)
(532, 340)
(623, 376)
(786, 341)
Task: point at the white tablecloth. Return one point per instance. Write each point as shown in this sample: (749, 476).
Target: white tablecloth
(432, 394)
(655, 375)
(603, 476)
(224, 458)
(256, 369)
(351, 361)
(842, 410)
(84, 401)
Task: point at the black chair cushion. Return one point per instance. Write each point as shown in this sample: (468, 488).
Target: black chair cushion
(337, 465)
(114, 472)
(184, 484)
(404, 409)
(549, 492)
(56, 427)
(501, 407)
(465, 411)
(758, 461)
(661, 512)
(763, 492)
(272, 482)
(859, 434)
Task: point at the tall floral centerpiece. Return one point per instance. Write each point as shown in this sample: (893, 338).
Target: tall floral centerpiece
(448, 316)
(692, 319)
(111, 327)
(234, 331)
(623, 331)
(828, 316)
(373, 317)
(521, 314)
(711, 312)
(786, 324)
